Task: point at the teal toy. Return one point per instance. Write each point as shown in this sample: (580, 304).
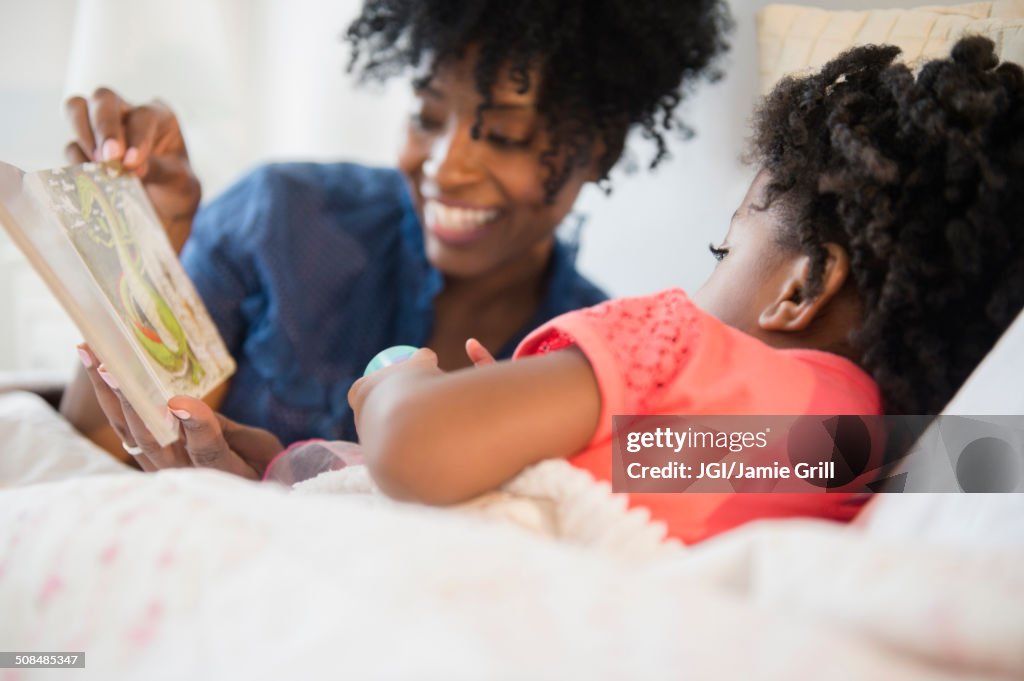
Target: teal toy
(389, 356)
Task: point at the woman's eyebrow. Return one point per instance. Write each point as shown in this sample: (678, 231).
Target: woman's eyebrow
(512, 105)
(428, 90)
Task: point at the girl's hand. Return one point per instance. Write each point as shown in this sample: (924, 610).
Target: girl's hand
(478, 354)
(442, 438)
(148, 142)
(210, 439)
(422, 363)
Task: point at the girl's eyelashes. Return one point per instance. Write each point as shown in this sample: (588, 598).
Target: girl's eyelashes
(718, 252)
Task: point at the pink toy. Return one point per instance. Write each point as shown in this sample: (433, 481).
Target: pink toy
(309, 458)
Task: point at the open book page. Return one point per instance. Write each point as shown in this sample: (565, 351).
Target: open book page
(96, 240)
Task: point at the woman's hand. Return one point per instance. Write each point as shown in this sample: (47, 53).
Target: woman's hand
(210, 439)
(148, 142)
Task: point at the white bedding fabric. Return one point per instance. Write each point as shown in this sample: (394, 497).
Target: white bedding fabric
(551, 499)
(795, 39)
(36, 445)
(198, 575)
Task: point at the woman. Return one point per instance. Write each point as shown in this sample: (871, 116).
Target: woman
(309, 270)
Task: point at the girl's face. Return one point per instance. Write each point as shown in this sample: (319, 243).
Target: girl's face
(752, 266)
(760, 286)
(482, 201)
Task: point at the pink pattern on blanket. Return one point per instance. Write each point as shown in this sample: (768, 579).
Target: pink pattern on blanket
(144, 632)
(50, 588)
(108, 554)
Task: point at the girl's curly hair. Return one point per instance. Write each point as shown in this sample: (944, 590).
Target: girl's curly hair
(604, 65)
(921, 180)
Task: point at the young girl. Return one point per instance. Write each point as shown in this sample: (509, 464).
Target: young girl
(876, 258)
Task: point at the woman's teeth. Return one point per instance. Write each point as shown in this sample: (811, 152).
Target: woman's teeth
(452, 218)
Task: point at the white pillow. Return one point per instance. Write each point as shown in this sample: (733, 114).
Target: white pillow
(794, 39)
(994, 520)
(37, 444)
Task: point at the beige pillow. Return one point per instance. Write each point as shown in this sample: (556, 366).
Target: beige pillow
(794, 39)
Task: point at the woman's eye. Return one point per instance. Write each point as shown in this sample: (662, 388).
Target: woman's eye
(426, 123)
(718, 253)
(502, 142)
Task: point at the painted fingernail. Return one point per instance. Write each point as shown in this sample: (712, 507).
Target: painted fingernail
(131, 157)
(85, 357)
(111, 150)
(107, 378)
(182, 414)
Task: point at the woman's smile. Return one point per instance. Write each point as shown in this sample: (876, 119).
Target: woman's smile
(457, 223)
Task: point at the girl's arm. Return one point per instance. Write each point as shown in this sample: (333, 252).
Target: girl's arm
(443, 438)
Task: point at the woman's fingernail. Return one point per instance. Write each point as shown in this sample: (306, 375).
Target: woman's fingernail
(111, 150)
(85, 357)
(182, 414)
(107, 378)
(131, 157)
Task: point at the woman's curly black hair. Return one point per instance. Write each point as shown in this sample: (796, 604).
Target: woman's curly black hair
(921, 180)
(604, 65)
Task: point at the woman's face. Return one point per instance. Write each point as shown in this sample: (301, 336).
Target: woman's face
(482, 201)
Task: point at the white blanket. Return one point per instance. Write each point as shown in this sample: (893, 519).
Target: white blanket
(551, 499)
(198, 575)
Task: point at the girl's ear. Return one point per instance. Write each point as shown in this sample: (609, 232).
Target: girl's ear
(793, 309)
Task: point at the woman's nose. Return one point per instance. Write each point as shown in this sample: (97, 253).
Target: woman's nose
(453, 157)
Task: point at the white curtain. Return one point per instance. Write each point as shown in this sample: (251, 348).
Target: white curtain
(250, 81)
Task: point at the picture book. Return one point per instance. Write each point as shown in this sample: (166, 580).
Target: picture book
(94, 237)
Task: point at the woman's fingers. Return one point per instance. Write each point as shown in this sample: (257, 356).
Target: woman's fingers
(74, 155)
(123, 418)
(171, 456)
(140, 127)
(478, 354)
(256, 446)
(77, 111)
(210, 440)
(103, 385)
(107, 128)
(106, 114)
(145, 464)
(148, 142)
(205, 442)
(152, 131)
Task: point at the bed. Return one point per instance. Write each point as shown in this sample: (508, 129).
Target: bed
(195, 574)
